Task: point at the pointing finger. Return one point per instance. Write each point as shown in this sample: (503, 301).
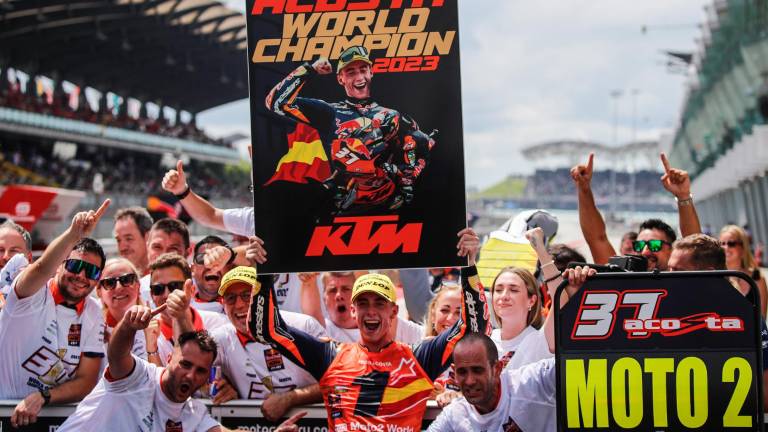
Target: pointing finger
(158, 310)
(294, 418)
(102, 209)
(590, 161)
(665, 161)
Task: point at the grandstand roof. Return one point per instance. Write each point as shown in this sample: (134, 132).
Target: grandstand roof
(568, 147)
(188, 54)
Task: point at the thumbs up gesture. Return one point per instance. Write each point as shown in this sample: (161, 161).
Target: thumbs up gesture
(175, 181)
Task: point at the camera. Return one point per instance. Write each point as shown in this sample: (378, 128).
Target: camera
(627, 263)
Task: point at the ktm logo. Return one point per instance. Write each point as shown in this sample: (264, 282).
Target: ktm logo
(356, 236)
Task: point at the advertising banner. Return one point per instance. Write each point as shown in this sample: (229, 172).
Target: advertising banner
(662, 352)
(357, 133)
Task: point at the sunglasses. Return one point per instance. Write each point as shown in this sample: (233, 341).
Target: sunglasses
(159, 289)
(349, 54)
(231, 299)
(653, 245)
(75, 266)
(730, 243)
(125, 280)
(199, 259)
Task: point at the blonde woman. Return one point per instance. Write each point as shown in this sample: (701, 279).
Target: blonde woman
(118, 290)
(443, 310)
(738, 257)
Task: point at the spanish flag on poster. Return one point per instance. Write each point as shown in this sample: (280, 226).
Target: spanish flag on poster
(504, 250)
(306, 158)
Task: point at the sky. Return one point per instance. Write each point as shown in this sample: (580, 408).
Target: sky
(534, 72)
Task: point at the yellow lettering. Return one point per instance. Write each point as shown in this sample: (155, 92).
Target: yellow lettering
(405, 49)
(299, 25)
(331, 24)
(381, 24)
(627, 378)
(586, 395)
(259, 54)
(731, 418)
(421, 15)
(691, 404)
(341, 43)
(318, 47)
(286, 48)
(440, 44)
(659, 368)
(359, 20)
(376, 42)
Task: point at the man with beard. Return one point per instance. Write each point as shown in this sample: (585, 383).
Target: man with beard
(655, 238)
(376, 153)
(51, 330)
(207, 280)
(137, 395)
(131, 233)
(341, 325)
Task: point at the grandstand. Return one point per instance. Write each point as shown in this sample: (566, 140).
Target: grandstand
(108, 92)
(722, 136)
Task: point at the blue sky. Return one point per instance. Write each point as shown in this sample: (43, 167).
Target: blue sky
(540, 71)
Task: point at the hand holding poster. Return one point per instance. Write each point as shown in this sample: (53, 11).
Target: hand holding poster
(357, 136)
(670, 351)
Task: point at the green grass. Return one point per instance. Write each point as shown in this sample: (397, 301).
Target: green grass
(511, 187)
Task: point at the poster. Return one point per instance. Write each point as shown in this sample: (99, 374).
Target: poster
(662, 352)
(357, 133)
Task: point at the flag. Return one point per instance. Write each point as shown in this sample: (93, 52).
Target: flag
(306, 158)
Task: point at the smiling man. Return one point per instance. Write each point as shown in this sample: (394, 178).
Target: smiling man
(51, 330)
(376, 153)
(207, 280)
(132, 225)
(376, 382)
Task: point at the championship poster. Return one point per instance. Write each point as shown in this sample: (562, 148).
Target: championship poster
(659, 352)
(357, 133)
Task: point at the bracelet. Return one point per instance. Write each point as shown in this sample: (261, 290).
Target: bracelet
(549, 263)
(184, 194)
(552, 278)
(685, 202)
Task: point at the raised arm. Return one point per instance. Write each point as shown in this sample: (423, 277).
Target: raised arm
(121, 361)
(37, 274)
(267, 326)
(552, 278)
(284, 98)
(592, 224)
(310, 296)
(203, 212)
(678, 183)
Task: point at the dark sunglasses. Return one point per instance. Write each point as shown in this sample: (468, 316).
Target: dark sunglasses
(75, 266)
(125, 280)
(159, 289)
(350, 53)
(730, 243)
(653, 245)
(231, 299)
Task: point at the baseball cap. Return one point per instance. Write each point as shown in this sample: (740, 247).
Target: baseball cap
(351, 54)
(241, 274)
(375, 283)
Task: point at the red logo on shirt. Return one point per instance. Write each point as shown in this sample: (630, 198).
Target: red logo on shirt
(172, 426)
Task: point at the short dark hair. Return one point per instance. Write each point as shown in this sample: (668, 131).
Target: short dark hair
(9, 224)
(631, 236)
(203, 340)
(211, 239)
(491, 351)
(89, 245)
(139, 215)
(563, 255)
(171, 259)
(706, 251)
(660, 225)
(170, 226)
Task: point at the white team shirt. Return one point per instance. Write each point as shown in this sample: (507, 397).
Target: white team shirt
(408, 332)
(42, 342)
(207, 306)
(139, 348)
(527, 347)
(257, 370)
(136, 403)
(240, 221)
(12, 268)
(144, 291)
(202, 320)
(527, 401)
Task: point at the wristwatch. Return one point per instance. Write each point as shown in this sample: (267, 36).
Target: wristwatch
(46, 396)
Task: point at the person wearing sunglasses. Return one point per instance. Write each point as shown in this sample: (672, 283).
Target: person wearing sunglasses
(675, 181)
(382, 174)
(269, 375)
(168, 273)
(49, 310)
(118, 290)
(207, 280)
(738, 256)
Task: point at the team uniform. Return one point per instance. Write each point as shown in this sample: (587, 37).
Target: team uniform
(43, 340)
(144, 291)
(408, 332)
(257, 370)
(139, 348)
(366, 390)
(136, 403)
(527, 347)
(215, 305)
(527, 403)
(376, 153)
(12, 268)
(201, 320)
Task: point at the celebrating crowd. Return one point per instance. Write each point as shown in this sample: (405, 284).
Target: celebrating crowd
(134, 339)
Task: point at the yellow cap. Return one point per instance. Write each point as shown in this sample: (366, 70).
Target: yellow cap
(241, 274)
(375, 283)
